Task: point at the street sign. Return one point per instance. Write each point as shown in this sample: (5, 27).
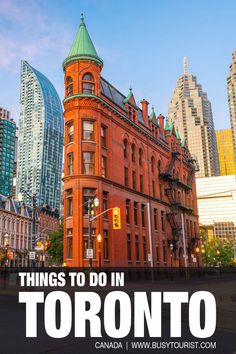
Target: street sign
(32, 255)
(89, 253)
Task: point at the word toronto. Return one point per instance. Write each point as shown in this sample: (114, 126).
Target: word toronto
(117, 312)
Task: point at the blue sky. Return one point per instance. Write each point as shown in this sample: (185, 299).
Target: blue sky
(142, 44)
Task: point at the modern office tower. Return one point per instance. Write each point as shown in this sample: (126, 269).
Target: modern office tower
(225, 149)
(190, 110)
(40, 142)
(231, 90)
(216, 198)
(119, 153)
(7, 152)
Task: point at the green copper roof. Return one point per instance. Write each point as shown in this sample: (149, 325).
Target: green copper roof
(183, 142)
(82, 47)
(126, 100)
(177, 134)
(167, 127)
(152, 115)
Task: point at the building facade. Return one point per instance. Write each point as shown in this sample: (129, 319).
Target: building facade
(225, 150)
(231, 90)
(16, 226)
(40, 142)
(124, 156)
(7, 152)
(217, 205)
(190, 110)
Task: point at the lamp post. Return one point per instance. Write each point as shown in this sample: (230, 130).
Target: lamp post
(99, 238)
(92, 202)
(6, 245)
(34, 205)
(171, 259)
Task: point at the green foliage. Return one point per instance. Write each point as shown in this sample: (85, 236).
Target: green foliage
(217, 252)
(56, 246)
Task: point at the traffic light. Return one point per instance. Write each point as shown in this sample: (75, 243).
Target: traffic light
(116, 218)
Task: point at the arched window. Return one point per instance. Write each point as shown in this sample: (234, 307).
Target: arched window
(140, 157)
(125, 148)
(69, 86)
(133, 152)
(152, 164)
(159, 167)
(88, 84)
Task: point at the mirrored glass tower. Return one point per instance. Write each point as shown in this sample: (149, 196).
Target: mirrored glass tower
(40, 145)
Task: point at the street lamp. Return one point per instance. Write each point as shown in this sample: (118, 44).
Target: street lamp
(99, 239)
(197, 254)
(92, 202)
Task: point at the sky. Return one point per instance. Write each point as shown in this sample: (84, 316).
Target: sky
(142, 44)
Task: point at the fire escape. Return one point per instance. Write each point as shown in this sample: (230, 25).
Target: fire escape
(172, 191)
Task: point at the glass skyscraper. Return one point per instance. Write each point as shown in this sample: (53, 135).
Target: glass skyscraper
(7, 152)
(40, 142)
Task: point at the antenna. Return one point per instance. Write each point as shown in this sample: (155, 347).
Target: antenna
(185, 63)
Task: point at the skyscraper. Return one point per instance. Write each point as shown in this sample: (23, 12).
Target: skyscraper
(225, 149)
(7, 152)
(190, 110)
(40, 144)
(231, 90)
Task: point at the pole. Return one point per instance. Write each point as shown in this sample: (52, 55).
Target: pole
(150, 234)
(184, 240)
(99, 256)
(90, 243)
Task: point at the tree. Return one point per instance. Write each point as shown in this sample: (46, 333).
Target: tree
(218, 252)
(56, 245)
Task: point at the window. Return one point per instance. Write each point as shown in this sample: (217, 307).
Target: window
(127, 204)
(133, 152)
(126, 176)
(144, 249)
(160, 188)
(164, 251)
(104, 136)
(159, 167)
(143, 214)
(155, 219)
(105, 244)
(88, 130)
(104, 166)
(153, 189)
(152, 164)
(69, 86)
(135, 213)
(125, 147)
(162, 221)
(141, 183)
(88, 84)
(105, 202)
(129, 254)
(88, 163)
(70, 132)
(137, 247)
(157, 253)
(134, 179)
(140, 157)
(70, 163)
(69, 243)
(69, 202)
(87, 193)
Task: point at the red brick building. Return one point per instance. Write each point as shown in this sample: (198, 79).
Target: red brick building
(126, 157)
